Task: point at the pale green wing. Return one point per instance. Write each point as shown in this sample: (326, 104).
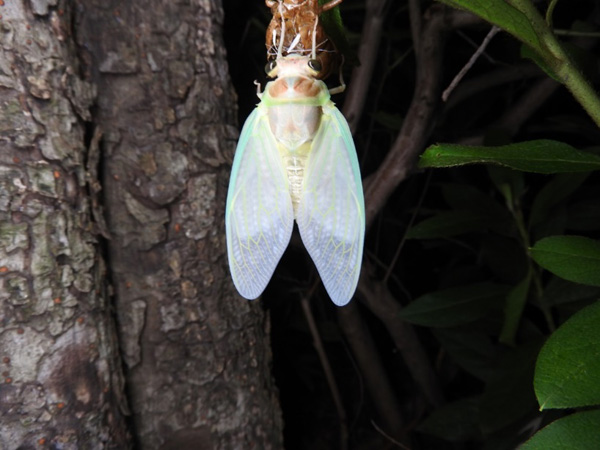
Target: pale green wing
(259, 216)
(331, 214)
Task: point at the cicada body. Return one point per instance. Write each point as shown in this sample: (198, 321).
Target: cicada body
(295, 160)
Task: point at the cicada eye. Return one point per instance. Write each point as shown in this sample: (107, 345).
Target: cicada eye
(315, 65)
(270, 66)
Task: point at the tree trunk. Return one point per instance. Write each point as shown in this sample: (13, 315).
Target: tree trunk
(61, 383)
(198, 364)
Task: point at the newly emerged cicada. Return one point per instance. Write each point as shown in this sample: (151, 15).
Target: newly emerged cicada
(295, 160)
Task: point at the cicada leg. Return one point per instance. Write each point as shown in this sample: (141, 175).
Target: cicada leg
(258, 91)
(282, 37)
(342, 87)
(329, 5)
(314, 38)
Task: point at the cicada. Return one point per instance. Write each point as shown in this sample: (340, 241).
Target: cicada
(295, 159)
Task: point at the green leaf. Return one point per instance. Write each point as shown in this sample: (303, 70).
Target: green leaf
(457, 421)
(451, 223)
(334, 28)
(583, 59)
(502, 15)
(578, 431)
(512, 436)
(567, 373)
(574, 258)
(528, 53)
(454, 306)
(549, 213)
(541, 156)
(515, 302)
(509, 394)
(469, 349)
(559, 188)
(559, 292)
(510, 183)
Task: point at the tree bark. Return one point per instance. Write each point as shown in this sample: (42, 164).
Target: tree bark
(61, 384)
(197, 355)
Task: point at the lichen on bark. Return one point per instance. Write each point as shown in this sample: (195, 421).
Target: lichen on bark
(61, 382)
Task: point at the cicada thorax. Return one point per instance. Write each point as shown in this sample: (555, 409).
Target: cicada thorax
(296, 22)
(294, 103)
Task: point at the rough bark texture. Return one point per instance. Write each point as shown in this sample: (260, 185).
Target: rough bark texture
(197, 356)
(61, 385)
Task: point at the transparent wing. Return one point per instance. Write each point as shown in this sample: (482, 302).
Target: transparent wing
(259, 216)
(331, 213)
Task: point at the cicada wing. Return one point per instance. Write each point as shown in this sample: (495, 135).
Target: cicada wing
(331, 213)
(259, 215)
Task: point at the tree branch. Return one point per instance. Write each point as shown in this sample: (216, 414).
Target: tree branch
(416, 26)
(417, 124)
(382, 303)
(376, 380)
(367, 54)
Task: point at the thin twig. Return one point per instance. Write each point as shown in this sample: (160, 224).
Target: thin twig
(418, 122)
(335, 393)
(397, 164)
(475, 45)
(549, 12)
(376, 99)
(399, 161)
(574, 33)
(388, 437)
(500, 76)
(530, 102)
(408, 226)
(560, 61)
(361, 386)
(470, 63)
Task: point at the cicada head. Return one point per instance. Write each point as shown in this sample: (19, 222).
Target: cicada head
(294, 66)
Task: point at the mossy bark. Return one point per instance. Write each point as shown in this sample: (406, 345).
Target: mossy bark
(61, 383)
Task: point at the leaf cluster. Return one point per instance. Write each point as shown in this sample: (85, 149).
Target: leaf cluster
(559, 273)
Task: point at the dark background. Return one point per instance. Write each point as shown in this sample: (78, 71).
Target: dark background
(310, 417)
